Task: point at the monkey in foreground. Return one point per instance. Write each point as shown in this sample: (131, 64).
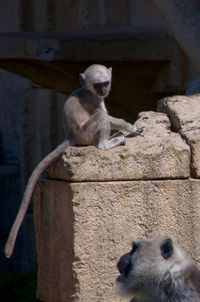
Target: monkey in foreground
(158, 270)
(86, 122)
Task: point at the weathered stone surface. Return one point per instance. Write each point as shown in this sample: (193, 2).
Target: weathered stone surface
(83, 228)
(96, 202)
(156, 154)
(184, 114)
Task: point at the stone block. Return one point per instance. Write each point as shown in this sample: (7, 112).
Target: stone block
(83, 228)
(96, 202)
(184, 114)
(156, 154)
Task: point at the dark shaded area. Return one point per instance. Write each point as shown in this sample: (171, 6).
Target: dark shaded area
(47, 74)
(133, 88)
(18, 287)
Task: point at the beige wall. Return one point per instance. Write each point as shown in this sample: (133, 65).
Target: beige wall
(96, 202)
(80, 238)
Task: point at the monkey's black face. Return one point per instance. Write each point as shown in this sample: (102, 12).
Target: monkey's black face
(141, 266)
(125, 264)
(127, 282)
(102, 89)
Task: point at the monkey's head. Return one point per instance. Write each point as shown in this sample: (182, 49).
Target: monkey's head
(150, 263)
(97, 79)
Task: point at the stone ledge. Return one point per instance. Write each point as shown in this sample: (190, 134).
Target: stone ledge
(184, 114)
(158, 153)
(87, 44)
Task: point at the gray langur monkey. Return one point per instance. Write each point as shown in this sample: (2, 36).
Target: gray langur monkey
(86, 122)
(158, 270)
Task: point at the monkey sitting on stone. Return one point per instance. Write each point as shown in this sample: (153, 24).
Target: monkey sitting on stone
(86, 122)
(158, 270)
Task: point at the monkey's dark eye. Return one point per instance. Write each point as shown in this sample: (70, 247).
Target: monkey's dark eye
(102, 88)
(106, 84)
(98, 86)
(134, 248)
(167, 248)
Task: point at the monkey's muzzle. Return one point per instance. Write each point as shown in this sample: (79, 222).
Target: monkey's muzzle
(124, 266)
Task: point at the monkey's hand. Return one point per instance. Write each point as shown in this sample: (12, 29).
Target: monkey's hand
(135, 130)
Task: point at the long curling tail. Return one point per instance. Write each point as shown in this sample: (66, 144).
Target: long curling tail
(41, 167)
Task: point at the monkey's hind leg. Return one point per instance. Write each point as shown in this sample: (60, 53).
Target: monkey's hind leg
(106, 142)
(118, 138)
(96, 131)
(111, 143)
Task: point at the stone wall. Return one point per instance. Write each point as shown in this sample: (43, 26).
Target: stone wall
(46, 44)
(49, 15)
(96, 202)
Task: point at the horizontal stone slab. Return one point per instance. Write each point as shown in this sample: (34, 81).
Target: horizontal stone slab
(86, 44)
(184, 114)
(158, 153)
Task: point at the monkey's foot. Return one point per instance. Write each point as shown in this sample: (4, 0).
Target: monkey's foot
(135, 131)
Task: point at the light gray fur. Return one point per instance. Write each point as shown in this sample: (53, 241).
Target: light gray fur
(86, 122)
(146, 276)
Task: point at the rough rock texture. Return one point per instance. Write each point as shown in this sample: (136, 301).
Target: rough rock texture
(83, 228)
(156, 154)
(96, 202)
(184, 114)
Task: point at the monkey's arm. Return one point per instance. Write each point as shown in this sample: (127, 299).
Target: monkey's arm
(120, 124)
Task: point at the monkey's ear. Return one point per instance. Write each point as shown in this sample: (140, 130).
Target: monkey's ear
(110, 69)
(82, 78)
(167, 248)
